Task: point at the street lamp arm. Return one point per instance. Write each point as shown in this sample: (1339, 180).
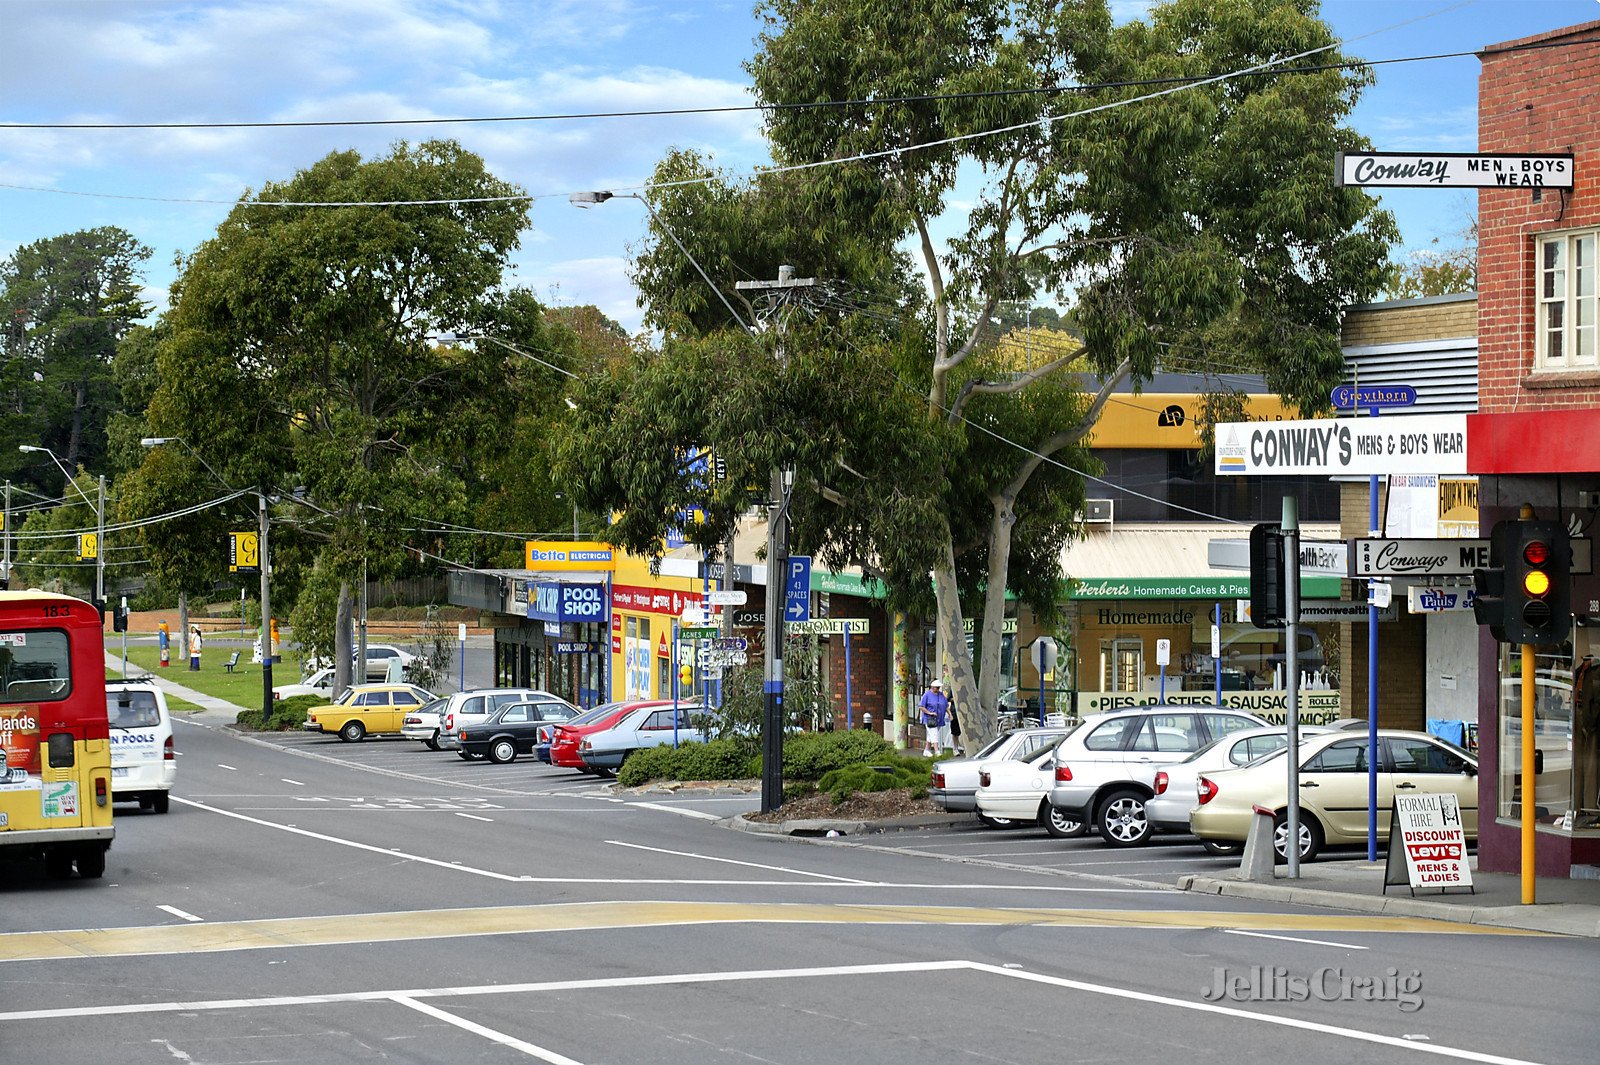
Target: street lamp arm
(29, 448)
(157, 441)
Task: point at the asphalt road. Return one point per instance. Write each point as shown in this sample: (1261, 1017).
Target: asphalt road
(312, 901)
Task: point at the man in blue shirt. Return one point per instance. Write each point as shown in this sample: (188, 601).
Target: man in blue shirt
(935, 707)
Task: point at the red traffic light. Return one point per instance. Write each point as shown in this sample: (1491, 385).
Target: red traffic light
(1536, 552)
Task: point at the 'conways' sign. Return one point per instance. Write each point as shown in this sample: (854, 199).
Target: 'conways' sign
(1462, 170)
(1410, 443)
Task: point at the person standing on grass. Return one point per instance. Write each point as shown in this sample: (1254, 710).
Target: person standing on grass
(195, 643)
(935, 709)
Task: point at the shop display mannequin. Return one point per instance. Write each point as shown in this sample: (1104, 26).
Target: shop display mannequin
(1586, 738)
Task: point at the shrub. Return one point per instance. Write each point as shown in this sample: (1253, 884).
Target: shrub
(893, 773)
(717, 760)
(809, 755)
(287, 715)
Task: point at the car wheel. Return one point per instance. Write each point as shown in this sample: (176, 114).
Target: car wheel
(1121, 819)
(160, 802)
(58, 863)
(502, 751)
(1310, 837)
(92, 863)
(1221, 849)
(432, 742)
(996, 822)
(352, 732)
(1059, 823)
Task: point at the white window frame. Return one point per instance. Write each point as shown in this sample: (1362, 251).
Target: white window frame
(1560, 287)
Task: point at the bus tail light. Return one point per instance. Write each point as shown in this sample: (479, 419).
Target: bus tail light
(100, 791)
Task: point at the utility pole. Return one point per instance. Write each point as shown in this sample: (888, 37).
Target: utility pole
(777, 560)
(100, 550)
(266, 610)
(5, 528)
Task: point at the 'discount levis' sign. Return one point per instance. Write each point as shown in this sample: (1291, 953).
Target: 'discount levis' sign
(1411, 443)
(1468, 170)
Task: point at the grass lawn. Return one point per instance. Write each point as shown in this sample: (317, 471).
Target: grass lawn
(175, 704)
(242, 686)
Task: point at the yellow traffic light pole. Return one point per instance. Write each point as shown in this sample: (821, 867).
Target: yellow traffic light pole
(1528, 779)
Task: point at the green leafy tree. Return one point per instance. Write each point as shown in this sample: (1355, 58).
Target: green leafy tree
(301, 352)
(1440, 270)
(67, 301)
(1196, 221)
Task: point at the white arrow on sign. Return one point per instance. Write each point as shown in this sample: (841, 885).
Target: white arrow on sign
(728, 598)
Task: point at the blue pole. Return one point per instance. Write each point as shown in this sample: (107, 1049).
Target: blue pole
(1161, 693)
(1041, 698)
(849, 716)
(674, 661)
(1216, 659)
(1372, 686)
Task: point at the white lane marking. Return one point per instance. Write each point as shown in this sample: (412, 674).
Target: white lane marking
(386, 851)
(1293, 939)
(180, 913)
(174, 1051)
(677, 810)
(733, 861)
(1264, 1018)
(297, 783)
(483, 989)
(229, 768)
(474, 817)
(488, 1033)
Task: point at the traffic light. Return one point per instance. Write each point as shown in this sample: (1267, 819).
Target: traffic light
(1269, 607)
(1489, 585)
(119, 619)
(1538, 583)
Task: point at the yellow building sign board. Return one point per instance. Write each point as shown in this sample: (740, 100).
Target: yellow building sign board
(1169, 419)
(586, 556)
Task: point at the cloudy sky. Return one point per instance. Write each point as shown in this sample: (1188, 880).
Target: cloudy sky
(145, 61)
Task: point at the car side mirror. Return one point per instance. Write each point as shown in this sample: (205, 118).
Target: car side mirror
(1471, 770)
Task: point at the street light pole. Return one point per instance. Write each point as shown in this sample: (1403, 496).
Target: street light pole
(263, 563)
(99, 519)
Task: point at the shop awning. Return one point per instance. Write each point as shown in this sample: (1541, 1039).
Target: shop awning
(1168, 561)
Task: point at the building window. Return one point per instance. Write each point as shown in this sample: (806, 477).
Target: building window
(1566, 305)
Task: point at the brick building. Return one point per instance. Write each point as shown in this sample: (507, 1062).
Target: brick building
(1536, 440)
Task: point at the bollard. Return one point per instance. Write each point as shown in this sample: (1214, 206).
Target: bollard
(1259, 853)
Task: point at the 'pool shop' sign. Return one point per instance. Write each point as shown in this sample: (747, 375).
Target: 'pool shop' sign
(1461, 170)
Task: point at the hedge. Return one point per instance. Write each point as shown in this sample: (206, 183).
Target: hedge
(288, 715)
(717, 760)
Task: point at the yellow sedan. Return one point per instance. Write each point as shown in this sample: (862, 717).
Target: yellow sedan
(367, 710)
(1333, 788)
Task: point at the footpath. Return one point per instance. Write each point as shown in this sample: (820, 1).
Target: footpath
(1564, 907)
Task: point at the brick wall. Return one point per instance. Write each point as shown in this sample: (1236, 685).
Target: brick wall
(1402, 643)
(1398, 323)
(1538, 100)
(869, 664)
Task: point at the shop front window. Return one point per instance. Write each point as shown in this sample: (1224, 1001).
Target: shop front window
(1566, 719)
(1121, 664)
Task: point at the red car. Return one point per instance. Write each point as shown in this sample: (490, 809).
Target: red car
(568, 734)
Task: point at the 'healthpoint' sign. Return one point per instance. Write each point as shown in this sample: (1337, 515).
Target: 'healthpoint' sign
(1413, 443)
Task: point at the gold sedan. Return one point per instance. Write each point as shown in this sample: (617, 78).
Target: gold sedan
(1333, 788)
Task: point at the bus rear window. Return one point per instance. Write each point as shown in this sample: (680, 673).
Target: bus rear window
(35, 666)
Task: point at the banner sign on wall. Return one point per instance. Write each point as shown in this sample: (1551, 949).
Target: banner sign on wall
(1459, 170)
(1333, 447)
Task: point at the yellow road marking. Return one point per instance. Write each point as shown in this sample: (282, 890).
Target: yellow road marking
(571, 917)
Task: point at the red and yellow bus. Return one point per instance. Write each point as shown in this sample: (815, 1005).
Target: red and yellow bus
(55, 749)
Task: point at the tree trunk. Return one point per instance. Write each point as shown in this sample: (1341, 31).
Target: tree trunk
(952, 641)
(990, 633)
(341, 641)
(75, 437)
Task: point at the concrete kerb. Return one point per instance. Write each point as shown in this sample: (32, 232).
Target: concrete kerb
(1555, 918)
(821, 826)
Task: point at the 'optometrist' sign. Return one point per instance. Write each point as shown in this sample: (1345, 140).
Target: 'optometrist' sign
(1408, 443)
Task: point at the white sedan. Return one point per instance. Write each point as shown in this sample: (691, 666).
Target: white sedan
(1020, 791)
(320, 683)
(1168, 810)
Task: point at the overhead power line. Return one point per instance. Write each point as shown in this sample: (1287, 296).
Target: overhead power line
(775, 108)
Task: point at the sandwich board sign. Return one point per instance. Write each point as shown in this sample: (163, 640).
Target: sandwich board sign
(1427, 844)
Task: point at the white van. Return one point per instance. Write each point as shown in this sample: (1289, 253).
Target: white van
(143, 762)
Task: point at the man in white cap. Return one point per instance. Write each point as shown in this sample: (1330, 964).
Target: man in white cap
(935, 709)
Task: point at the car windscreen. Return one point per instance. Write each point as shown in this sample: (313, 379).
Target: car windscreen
(132, 709)
(435, 707)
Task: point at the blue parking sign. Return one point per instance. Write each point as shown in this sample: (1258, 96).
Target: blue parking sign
(797, 588)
